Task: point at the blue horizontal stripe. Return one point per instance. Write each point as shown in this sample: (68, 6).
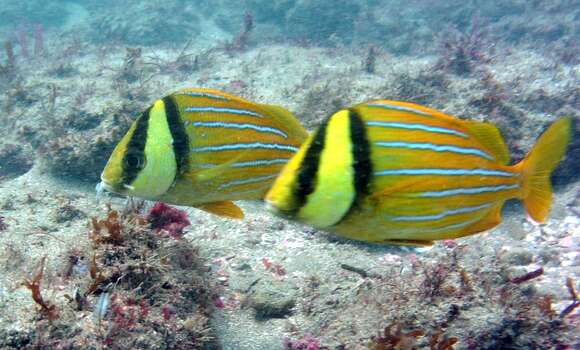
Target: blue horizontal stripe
(204, 94)
(436, 148)
(468, 190)
(248, 181)
(453, 226)
(450, 172)
(259, 128)
(249, 164)
(223, 110)
(398, 108)
(260, 162)
(441, 215)
(413, 126)
(446, 228)
(236, 146)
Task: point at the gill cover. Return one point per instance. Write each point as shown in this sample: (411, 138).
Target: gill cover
(143, 163)
(319, 185)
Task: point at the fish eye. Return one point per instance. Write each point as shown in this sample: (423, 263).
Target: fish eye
(135, 161)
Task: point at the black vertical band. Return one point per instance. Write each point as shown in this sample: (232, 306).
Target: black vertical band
(309, 167)
(361, 153)
(134, 158)
(180, 138)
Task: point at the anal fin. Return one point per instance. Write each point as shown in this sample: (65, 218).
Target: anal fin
(224, 209)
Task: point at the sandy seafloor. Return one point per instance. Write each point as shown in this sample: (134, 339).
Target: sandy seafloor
(278, 282)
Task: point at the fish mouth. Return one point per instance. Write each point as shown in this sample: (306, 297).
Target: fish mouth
(117, 188)
(105, 185)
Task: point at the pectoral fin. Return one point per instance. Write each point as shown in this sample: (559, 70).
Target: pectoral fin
(215, 171)
(224, 209)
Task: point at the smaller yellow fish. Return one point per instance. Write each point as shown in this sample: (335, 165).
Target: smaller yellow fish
(203, 148)
(399, 173)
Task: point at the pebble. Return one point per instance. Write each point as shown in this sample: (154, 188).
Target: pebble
(518, 256)
(273, 299)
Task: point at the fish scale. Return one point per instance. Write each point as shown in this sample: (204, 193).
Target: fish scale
(429, 176)
(203, 148)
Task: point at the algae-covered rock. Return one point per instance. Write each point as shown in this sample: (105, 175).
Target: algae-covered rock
(14, 160)
(82, 153)
(272, 299)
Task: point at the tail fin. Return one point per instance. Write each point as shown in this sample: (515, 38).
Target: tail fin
(538, 165)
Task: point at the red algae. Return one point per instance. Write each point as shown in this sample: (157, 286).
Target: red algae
(163, 217)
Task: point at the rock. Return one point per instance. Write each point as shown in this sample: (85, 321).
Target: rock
(272, 299)
(14, 161)
(518, 256)
(68, 212)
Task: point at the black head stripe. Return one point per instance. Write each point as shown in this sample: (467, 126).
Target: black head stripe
(180, 139)
(135, 154)
(361, 153)
(309, 167)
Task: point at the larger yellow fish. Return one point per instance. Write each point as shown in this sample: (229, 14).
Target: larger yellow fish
(400, 173)
(203, 148)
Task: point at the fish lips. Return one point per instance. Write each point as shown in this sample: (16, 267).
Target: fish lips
(104, 185)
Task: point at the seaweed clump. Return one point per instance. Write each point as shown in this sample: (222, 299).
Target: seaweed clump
(47, 309)
(134, 288)
(464, 52)
(440, 303)
(168, 219)
(394, 337)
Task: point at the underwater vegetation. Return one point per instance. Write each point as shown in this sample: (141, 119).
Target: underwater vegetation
(139, 285)
(464, 52)
(427, 306)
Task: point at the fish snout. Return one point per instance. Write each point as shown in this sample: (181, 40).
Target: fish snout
(110, 186)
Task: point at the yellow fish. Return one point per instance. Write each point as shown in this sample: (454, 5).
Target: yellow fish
(400, 173)
(203, 148)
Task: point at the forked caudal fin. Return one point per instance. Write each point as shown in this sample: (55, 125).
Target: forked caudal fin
(538, 166)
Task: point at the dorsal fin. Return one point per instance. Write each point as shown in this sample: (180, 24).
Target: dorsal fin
(490, 137)
(221, 97)
(288, 119)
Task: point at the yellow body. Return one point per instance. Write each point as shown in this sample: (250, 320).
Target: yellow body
(203, 148)
(396, 172)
